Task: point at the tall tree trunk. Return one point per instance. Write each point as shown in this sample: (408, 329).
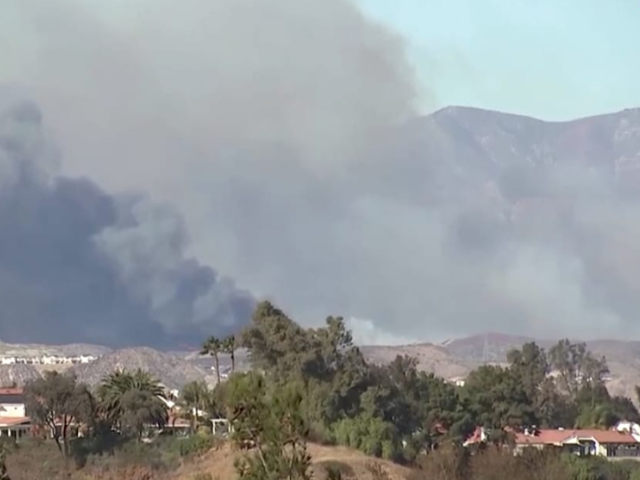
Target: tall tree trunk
(233, 360)
(55, 435)
(65, 435)
(217, 363)
(3, 468)
(194, 415)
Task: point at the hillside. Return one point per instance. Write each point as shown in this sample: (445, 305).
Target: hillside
(623, 357)
(73, 349)
(431, 358)
(354, 464)
(485, 141)
(17, 375)
(171, 371)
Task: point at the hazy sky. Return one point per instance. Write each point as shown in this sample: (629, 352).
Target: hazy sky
(170, 162)
(555, 59)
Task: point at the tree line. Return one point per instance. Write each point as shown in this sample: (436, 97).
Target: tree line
(315, 384)
(396, 411)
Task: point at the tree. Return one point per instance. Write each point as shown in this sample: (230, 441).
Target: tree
(4, 475)
(271, 422)
(277, 345)
(56, 401)
(141, 408)
(229, 347)
(125, 398)
(195, 398)
(576, 367)
(553, 409)
(531, 365)
(213, 347)
(370, 434)
(497, 398)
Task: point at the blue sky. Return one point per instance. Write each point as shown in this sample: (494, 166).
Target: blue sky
(554, 59)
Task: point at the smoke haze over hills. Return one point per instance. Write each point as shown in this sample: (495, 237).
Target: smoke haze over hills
(282, 135)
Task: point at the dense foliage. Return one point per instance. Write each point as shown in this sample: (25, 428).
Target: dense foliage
(315, 384)
(395, 411)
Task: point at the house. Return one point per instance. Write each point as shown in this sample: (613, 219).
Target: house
(603, 443)
(13, 419)
(457, 381)
(615, 443)
(12, 402)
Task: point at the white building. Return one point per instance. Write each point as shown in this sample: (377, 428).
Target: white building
(13, 418)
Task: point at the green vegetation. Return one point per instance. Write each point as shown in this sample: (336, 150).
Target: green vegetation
(55, 402)
(4, 475)
(315, 385)
(396, 412)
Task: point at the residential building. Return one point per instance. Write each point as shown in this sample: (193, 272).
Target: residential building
(13, 419)
(603, 443)
(614, 443)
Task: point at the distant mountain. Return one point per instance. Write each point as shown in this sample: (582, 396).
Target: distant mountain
(486, 152)
(477, 140)
(623, 356)
(172, 371)
(17, 375)
(454, 358)
(7, 349)
(488, 347)
(458, 357)
(431, 358)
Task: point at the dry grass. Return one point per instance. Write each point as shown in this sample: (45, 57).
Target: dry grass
(219, 464)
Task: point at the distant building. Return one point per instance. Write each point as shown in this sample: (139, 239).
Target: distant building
(13, 419)
(457, 381)
(614, 443)
(47, 360)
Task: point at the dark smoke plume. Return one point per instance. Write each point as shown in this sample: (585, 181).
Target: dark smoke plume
(285, 133)
(77, 264)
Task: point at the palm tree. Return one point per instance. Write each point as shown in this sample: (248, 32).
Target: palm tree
(194, 399)
(126, 399)
(213, 346)
(229, 347)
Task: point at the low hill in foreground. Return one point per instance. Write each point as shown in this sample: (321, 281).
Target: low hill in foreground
(42, 460)
(352, 463)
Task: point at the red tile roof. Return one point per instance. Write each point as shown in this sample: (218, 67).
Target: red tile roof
(542, 437)
(556, 437)
(606, 436)
(11, 391)
(12, 421)
(476, 437)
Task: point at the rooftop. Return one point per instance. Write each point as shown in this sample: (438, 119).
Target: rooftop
(556, 437)
(13, 421)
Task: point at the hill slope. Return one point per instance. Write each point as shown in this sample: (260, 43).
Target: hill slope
(431, 358)
(35, 349)
(17, 375)
(171, 371)
(219, 463)
(623, 357)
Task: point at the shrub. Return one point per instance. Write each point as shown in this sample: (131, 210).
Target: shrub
(203, 476)
(195, 445)
(371, 435)
(337, 470)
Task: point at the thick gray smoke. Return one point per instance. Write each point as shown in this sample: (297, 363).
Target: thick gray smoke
(281, 130)
(78, 264)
